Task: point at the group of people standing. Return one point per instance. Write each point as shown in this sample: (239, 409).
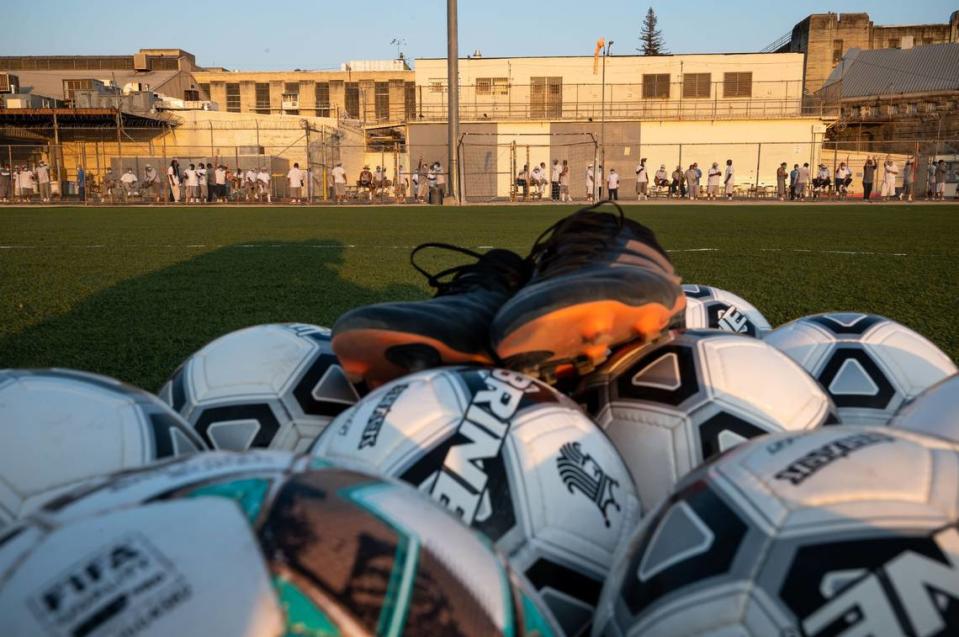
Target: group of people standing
(204, 183)
(534, 182)
(803, 184)
(22, 183)
(425, 184)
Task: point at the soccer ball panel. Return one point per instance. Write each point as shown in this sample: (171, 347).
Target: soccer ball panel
(694, 394)
(747, 376)
(926, 365)
(934, 412)
(60, 427)
(657, 444)
(868, 364)
(271, 386)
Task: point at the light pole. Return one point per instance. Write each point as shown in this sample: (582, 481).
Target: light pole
(452, 83)
(598, 172)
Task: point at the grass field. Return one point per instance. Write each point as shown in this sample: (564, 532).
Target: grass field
(131, 292)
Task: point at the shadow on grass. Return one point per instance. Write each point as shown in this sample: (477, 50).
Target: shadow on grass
(140, 329)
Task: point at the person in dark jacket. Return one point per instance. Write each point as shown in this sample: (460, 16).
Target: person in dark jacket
(868, 178)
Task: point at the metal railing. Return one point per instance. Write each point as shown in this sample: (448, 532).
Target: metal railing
(584, 102)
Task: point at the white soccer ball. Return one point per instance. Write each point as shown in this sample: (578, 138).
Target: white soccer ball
(512, 458)
(259, 543)
(839, 531)
(934, 412)
(59, 427)
(709, 307)
(868, 364)
(273, 386)
(685, 398)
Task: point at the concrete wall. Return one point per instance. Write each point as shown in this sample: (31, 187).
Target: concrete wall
(491, 159)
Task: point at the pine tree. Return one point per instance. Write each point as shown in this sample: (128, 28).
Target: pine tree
(651, 37)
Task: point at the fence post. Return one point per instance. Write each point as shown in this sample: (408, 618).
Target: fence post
(759, 154)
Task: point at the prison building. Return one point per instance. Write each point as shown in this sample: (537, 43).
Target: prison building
(825, 38)
(364, 91)
(672, 109)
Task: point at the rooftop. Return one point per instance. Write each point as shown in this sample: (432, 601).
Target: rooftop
(925, 69)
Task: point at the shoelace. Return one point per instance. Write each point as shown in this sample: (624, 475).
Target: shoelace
(492, 268)
(573, 240)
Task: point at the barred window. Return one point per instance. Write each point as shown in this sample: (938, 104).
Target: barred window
(492, 86)
(738, 84)
(322, 99)
(263, 98)
(233, 98)
(656, 86)
(696, 85)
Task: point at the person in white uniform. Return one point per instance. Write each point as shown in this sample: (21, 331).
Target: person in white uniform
(295, 177)
(730, 180)
(890, 172)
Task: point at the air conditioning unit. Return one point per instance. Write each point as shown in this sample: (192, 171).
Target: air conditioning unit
(290, 101)
(135, 87)
(140, 62)
(9, 83)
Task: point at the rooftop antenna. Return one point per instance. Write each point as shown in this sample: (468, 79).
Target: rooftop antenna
(399, 42)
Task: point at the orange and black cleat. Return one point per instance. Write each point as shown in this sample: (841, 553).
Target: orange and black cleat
(599, 280)
(378, 343)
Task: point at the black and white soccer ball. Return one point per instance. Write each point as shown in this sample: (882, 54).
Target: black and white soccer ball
(934, 412)
(512, 458)
(868, 364)
(691, 395)
(839, 531)
(259, 543)
(710, 307)
(60, 426)
(273, 386)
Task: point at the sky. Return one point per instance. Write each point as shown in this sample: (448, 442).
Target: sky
(271, 35)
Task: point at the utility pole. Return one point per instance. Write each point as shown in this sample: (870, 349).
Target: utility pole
(599, 172)
(453, 103)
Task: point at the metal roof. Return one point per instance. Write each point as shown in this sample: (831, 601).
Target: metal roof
(50, 83)
(926, 69)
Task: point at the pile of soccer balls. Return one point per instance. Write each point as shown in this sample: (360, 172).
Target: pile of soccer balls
(727, 479)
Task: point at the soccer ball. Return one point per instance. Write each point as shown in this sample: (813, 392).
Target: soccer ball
(868, 364)
(274, 386)
(709, 307)
(510, 457)
(689, 396)
(934, 412)
(59, 426)
(260, 543)
(839, 531)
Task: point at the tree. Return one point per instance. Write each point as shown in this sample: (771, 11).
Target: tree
(651, 37)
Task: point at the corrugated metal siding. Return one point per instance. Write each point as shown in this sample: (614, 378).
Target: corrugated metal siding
(892, 71)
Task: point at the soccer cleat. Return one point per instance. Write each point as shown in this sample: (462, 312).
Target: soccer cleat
(599, 280)
(378, 343)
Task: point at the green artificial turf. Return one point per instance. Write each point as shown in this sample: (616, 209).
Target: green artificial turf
(130, 292)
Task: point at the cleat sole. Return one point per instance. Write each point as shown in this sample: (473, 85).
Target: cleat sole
(584, 335)
(379, 356)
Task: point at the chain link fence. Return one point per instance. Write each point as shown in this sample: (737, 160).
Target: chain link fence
(490, 169)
